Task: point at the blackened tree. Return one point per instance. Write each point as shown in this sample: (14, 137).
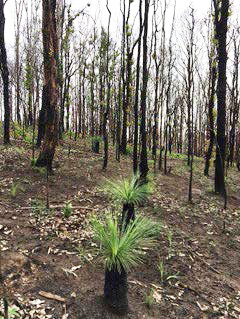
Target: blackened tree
(143, 165)
(5, 75)
(221, 13)
(50, 56)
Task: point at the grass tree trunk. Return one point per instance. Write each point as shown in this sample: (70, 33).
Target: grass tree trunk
(5, 75)
(115, 290)
(50, 51)
(128, 213)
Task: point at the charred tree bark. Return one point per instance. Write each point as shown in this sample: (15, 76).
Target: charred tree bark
(118, 121)
(123, 146)
(143, 165)
(5, 76)
(50, 54)
(136, 101)
(157, 61)
(221, 24)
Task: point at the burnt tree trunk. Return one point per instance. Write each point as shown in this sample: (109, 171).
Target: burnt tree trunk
(136, 100)
(143, 165)
(50, 55)
(5, 76)
(221, 19)
(123, 146)
(118, 121)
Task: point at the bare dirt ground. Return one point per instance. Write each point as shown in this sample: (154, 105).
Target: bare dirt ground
(41, 251)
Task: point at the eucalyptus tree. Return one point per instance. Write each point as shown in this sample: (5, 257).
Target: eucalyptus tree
(234, 105)
(128, 94)
(93, 81)
(50, 59)
(188, 76)
(102, 76)
(211, 95)
(190, 90)
(5, 75)
(33, 61)
(163, 82)
(159, 62)
(168, 90)
(66, 66)
(18, 70)
(107, 107)
(143, 164)
(122, 87)
(221, 14)
(136, 98)
(118, 116)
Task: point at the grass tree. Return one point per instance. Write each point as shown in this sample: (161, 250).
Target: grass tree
(122, 248)
(129, 193)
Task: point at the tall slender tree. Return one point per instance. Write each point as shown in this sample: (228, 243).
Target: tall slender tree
(212, 90)
(221, 13)
(19, 10)
(107, 107)
(136, 99)
(234, 110)
(143, 165)
(5, 75)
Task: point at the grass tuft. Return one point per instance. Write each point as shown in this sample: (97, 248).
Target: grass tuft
(128, 191)
(124, 248)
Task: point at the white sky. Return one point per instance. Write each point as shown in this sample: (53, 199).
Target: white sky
(98, 9)
(99, 12)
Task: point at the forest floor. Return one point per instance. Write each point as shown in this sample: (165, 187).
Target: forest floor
(42, 252)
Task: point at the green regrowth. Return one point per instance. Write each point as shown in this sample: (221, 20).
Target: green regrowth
(128, 191)
(124, 249)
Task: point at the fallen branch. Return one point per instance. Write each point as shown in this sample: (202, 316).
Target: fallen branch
(49, 295)
(54, 206)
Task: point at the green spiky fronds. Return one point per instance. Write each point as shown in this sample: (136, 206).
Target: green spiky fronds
(128, 191)
(124, 249)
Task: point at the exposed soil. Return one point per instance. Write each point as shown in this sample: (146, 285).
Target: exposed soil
(199, 246)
